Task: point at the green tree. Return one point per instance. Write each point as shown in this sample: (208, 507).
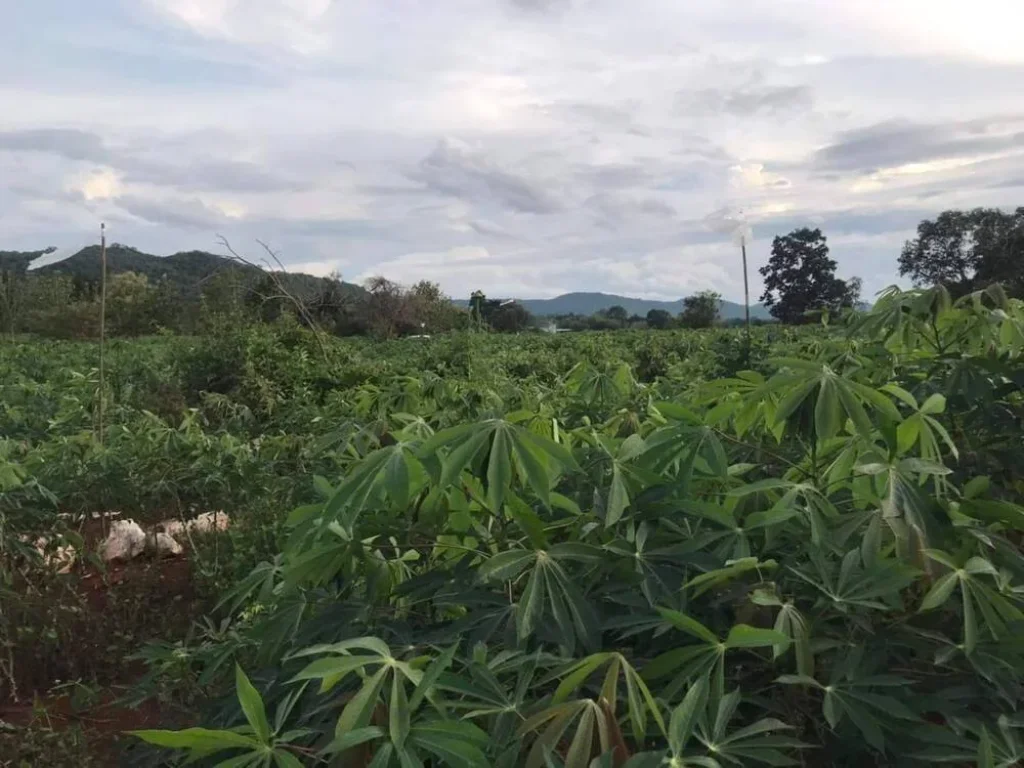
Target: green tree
(131, 305)
(507, 316)
(659, 318)
(617, 315)
(967, 250)
(700, 310)
(385, 307)
(431, 310)
(801, 278)
(14, 279)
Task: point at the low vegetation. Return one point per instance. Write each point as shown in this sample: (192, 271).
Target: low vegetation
(595, 549)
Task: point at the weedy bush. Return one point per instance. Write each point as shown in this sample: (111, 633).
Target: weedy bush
(814, 562)
(586, 549)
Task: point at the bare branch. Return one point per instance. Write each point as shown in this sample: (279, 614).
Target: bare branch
(275, 277)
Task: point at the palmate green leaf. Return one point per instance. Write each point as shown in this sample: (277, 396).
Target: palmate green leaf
(382, 758)
(794, 397)
(506, 565)
(586, 625)
(527, 520)
(252, 706)
(940, 592)
(640, 701)
(396, 476)
(351, 496)
(618, 498)
(499, 469)
(431, 675)
(462, 454)
(733, 570)
(869, 726)
(970, 623)
(531, 603)
(578, 755)
(352, 739)
(577, 673)
(638, 709)
(532, 467)
(828, 415)
(200, 740)
(373, 644)
(689, 625)
(745, 636)
(761, 486)
(558, 719)
(455, 744)
(986, 757)
(791, 623)
(359, 709)
(685, 663)
(502, 441)
(684, 717)
(284, 759)
(398, 712)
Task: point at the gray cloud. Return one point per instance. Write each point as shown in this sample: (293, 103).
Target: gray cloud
(747, 100)
(605, 120)
(453, 169)
(210, 174)
(539, 5)
(616, 175)
(202, 173)
(595, 117)
(614, 210)
(851, 221)
(898, 142)
(492, 230)
(63, 142)
(187, 214)
(1009, 183)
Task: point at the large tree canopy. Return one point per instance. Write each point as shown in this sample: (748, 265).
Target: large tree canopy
(800, 278)
(700, 310)
(967, 250)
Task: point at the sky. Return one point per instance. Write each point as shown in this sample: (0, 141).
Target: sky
(523, 147)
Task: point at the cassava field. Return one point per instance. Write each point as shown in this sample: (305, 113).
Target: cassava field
(590, 550)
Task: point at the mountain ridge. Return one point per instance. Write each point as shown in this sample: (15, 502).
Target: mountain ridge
(185, 269)
(591, 302)
(189, 269)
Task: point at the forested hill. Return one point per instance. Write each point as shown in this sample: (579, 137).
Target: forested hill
(187, 269)
(592, 303)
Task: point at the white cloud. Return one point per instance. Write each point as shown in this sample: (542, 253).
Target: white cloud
(523, 147)
(100, 184)
(296, 24)
(754, 175)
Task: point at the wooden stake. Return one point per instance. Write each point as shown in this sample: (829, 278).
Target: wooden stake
(746, 291)
(103, 320)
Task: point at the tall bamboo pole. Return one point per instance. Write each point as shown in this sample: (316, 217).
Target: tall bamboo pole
(746, 291)
(103, 322)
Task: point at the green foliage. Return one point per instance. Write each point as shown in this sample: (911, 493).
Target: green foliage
(700, 310)
(800, 278)
(590, 549)
(659, 319)
(967, 250)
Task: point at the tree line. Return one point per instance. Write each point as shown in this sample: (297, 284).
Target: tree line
(962, 250)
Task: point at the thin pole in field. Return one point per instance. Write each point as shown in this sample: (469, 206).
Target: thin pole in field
(103, 320)
(746, 290)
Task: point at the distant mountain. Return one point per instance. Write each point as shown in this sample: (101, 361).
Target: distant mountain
(591, 303)
(187, 269)
(19, 261)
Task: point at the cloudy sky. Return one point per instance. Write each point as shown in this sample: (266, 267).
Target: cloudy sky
(525, 147)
